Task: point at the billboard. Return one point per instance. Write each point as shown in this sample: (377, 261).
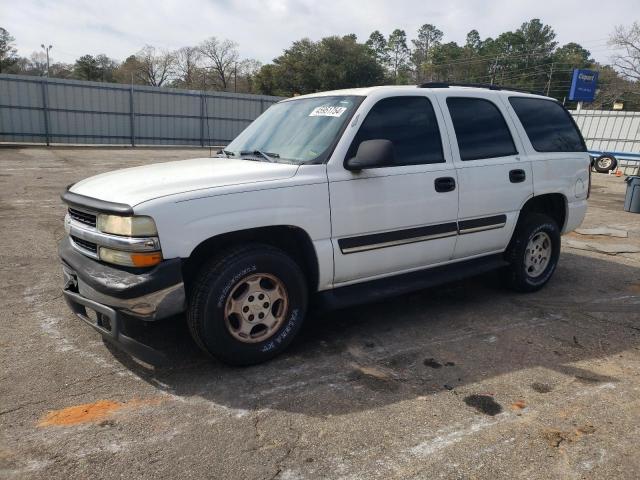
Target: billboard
(583, 85)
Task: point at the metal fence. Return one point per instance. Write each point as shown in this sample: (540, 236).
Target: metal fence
(56, 111)
(616, 133)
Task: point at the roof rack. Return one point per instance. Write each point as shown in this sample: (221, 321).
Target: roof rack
(476, 85)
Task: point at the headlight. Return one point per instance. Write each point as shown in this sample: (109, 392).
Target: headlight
(130, 259)
(137, 226)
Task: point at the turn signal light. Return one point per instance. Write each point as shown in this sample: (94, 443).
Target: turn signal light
(130, 259)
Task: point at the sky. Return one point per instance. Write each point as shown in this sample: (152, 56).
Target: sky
(264, 28)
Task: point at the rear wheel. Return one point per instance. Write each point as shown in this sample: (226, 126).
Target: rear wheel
(533, 253)
(247, 305)
(605, 163)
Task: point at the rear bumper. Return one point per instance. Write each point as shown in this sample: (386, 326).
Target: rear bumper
(576, 212)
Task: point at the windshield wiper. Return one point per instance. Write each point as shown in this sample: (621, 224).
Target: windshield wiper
(268, 156)
(227, 153)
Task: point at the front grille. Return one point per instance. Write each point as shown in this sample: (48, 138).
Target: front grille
(83, 217)
(90, 246)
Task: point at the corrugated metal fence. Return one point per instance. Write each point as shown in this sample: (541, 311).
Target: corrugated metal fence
(612, 132)
(50, 111)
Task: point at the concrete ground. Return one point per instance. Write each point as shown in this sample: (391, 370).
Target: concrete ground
(462, 381)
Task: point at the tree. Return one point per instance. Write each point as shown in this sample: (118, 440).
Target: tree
(428, 37)
(7, 51)
(155, 67)
(565, 59)
(628, 40)
(106, 68)
(37, 64)
(246, 74)
(86, 68)
(129, 71)
(474, 42)
(398, 55)
(448, 63)
(221, 57)
(297, 68)
(188, 68)
(331, 63)
(378, 45)
(345, 63)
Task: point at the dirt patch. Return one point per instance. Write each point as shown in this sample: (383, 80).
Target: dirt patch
(518, 405)
(484, 404)
(375, 378)
(541, 387)
(556, 437)
(84, 413)
(95, 412)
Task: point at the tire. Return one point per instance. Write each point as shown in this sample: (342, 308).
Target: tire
(528, 272)
(231, 283)
(605, 163)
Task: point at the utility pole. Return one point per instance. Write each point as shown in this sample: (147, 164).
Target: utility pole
(494, 69)
(46, 49)
(549, 81)
(235, 77)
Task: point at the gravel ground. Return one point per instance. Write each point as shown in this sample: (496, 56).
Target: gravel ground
(462, 381)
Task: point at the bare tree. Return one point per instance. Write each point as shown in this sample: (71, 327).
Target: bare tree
(628, 40)
(155, 67)
(38, 64)
(188, 63)
(221, 59)
(246, 74)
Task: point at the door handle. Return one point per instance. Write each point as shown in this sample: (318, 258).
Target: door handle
(517, 176)
(445, 184)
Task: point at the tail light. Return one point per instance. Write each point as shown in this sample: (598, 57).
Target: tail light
(589, 187)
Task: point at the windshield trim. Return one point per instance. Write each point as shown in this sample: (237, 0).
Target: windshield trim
(326, 155)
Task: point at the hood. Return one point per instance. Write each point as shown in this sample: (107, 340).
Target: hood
(139, 184)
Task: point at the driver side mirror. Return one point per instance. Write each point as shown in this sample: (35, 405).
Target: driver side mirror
(371, 154)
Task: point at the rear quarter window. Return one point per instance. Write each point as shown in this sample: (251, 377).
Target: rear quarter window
(548, 125)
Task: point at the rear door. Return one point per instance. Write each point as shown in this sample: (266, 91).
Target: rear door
(494, 175)
(397, 217)
(556, 149)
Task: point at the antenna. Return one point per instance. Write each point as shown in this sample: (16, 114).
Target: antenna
(206, 111)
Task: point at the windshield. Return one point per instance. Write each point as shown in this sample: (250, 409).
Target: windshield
(295, 131)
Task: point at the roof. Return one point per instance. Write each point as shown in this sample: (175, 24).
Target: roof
(365, 91)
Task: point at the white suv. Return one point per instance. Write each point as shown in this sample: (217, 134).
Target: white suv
(328, 199)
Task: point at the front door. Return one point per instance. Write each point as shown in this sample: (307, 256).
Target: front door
(398, 217)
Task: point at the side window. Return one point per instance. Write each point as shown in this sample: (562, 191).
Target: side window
(548, 125)
(480, 129)
(410, 123)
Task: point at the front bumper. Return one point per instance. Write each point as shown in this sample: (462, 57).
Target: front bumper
(116, 294)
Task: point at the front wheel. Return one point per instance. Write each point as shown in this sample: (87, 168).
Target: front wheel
(247, 305)
(533, 253)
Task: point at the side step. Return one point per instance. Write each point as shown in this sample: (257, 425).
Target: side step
(375, 290)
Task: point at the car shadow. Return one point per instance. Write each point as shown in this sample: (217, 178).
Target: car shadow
(419, 344)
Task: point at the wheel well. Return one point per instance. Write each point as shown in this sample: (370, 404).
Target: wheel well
(292, 240)
(552, 204)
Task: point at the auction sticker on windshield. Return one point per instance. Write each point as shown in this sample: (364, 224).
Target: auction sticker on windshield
(327, 111)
